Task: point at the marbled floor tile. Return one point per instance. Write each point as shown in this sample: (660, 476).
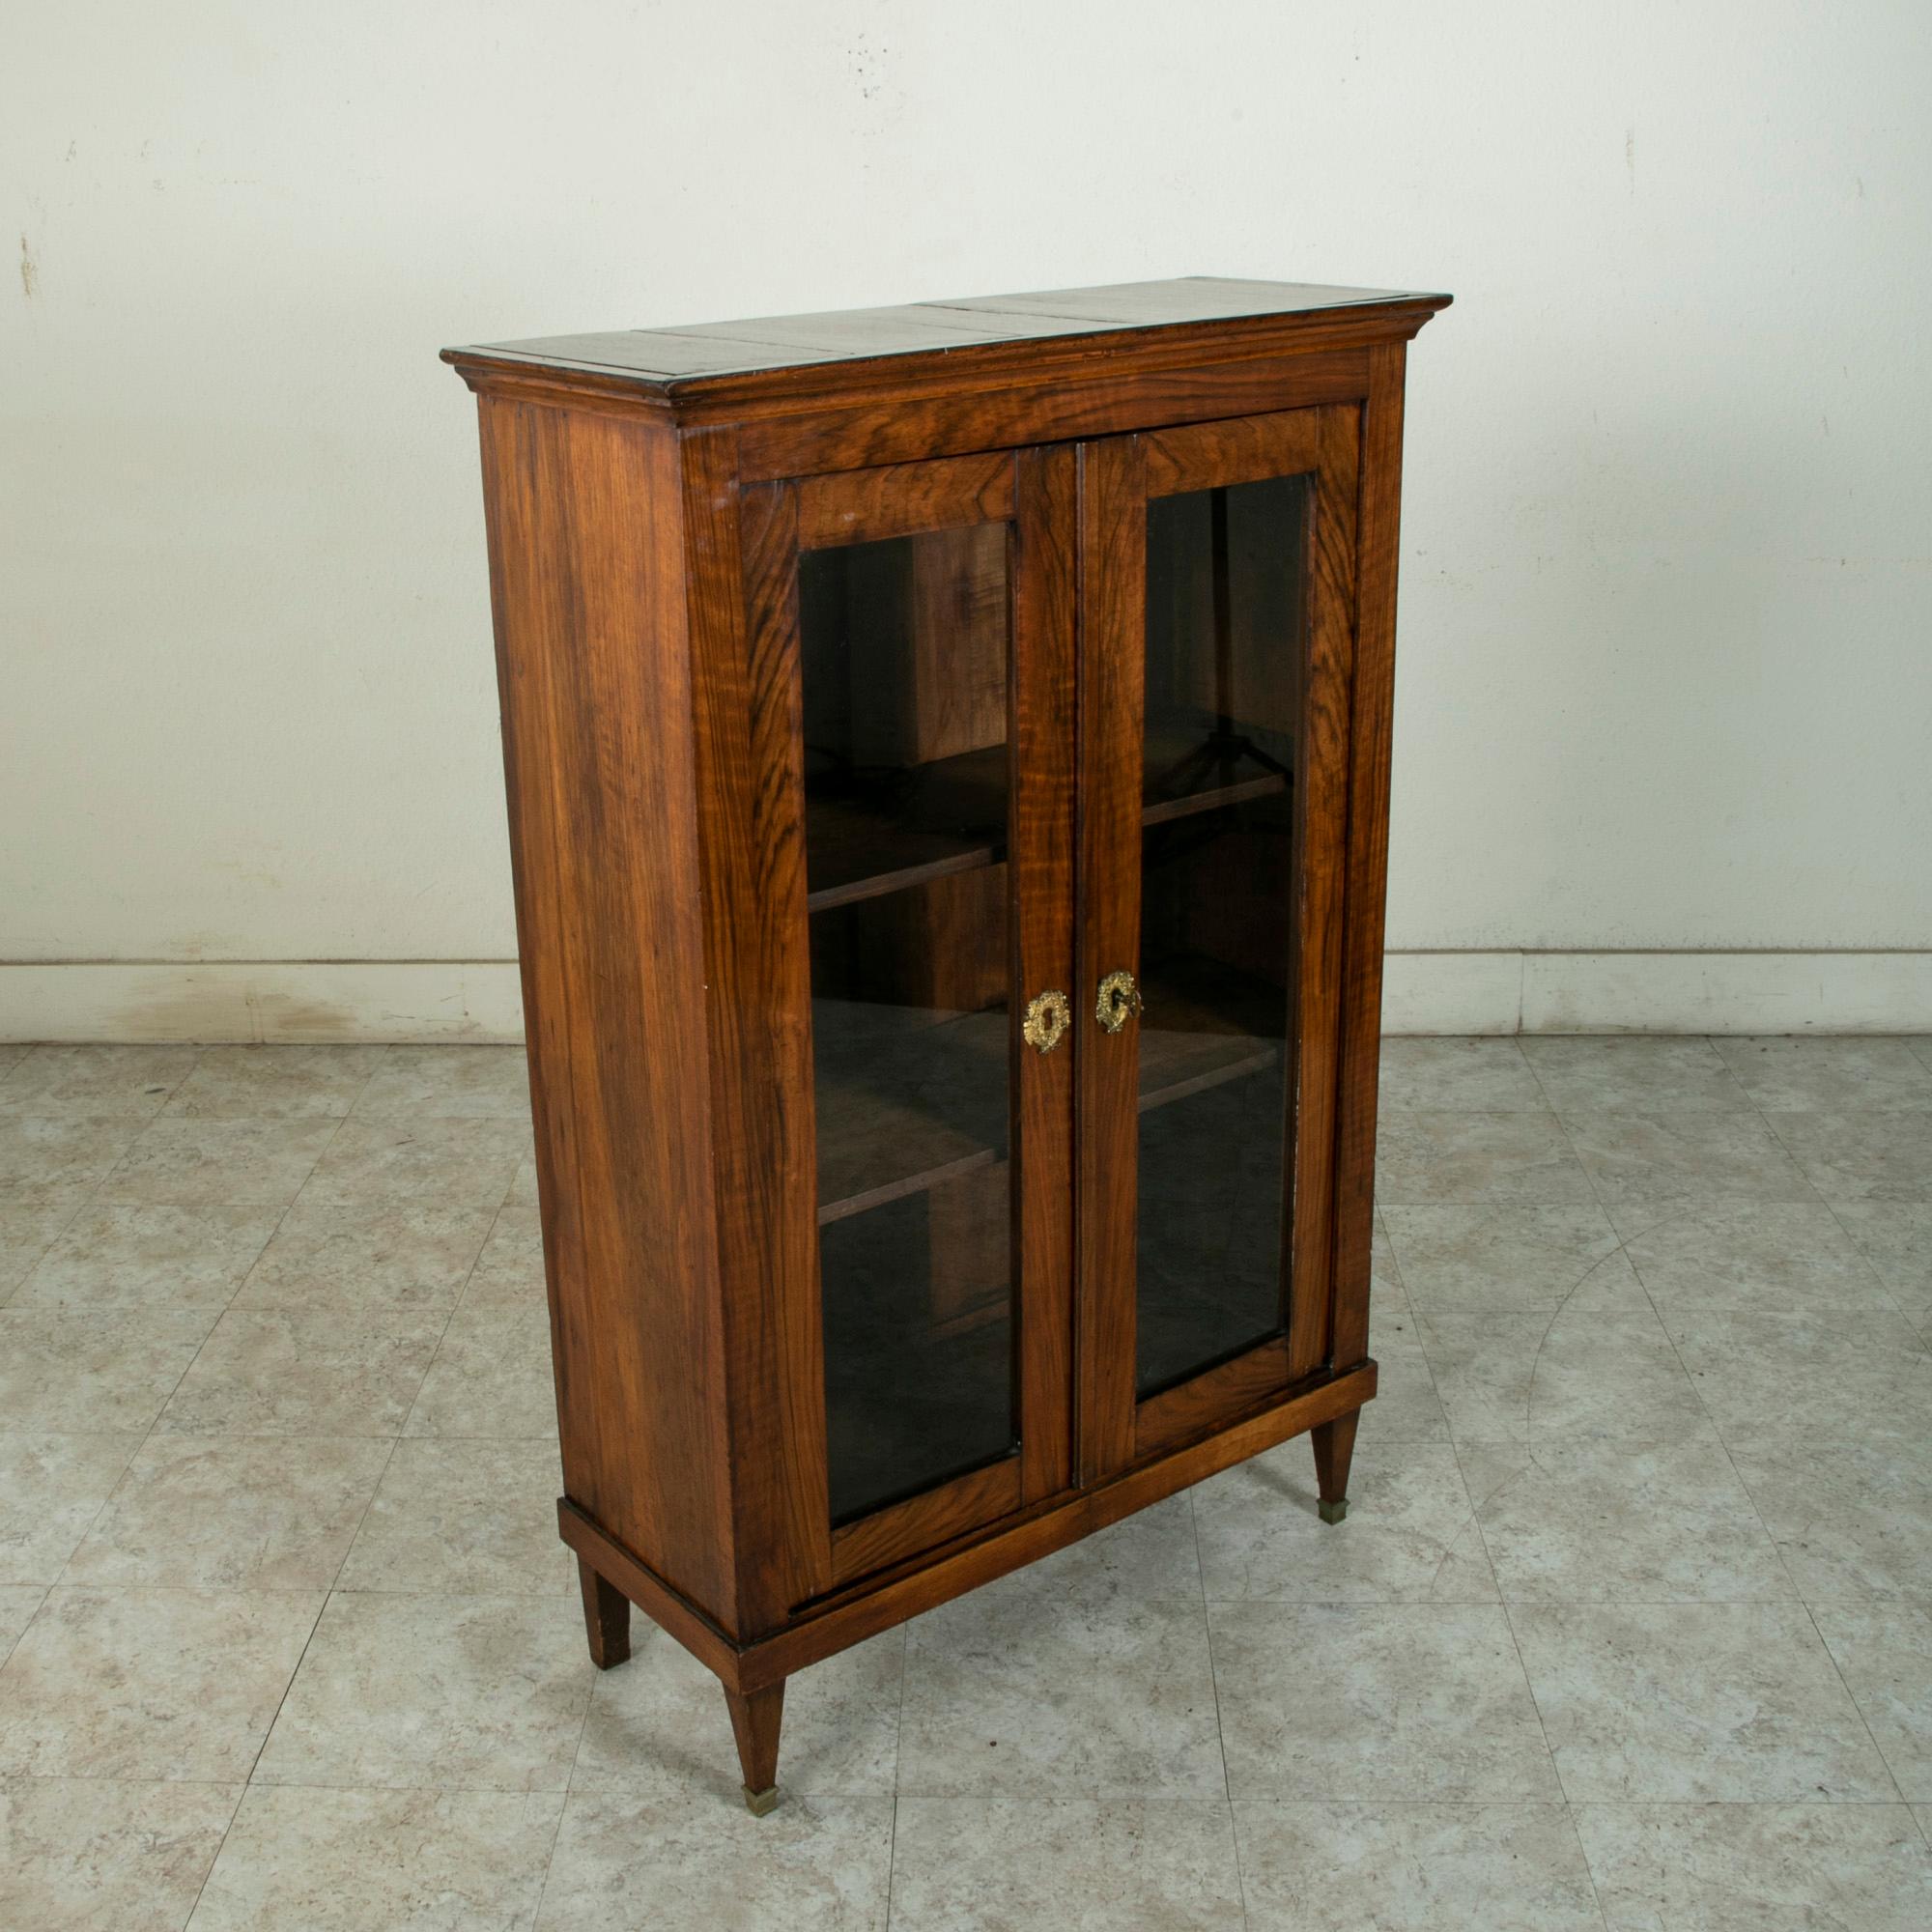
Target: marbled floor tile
(816, 1864)
(1598, 1073)
(1861, 1156)
(368, 1258)
(510, 1269)
(658, 1723)
(1749, 1254)
(306, 1372)
(1884, 1651)
(477, 1694)
(51, 1488)
(1386, 1293)
(1851, 1517)
(1768, 1377)
(148, 1255)
(382, 1861)
(373, 1164)
(1534, 1377)
(1375, 1703)
(1468, 1076)
(492, 1375)
(1008, 1691)
(1474, 1159)
(1413, 1868)
(449, 1083)
(1796, 1074)
(1410, 1535)
(20, 1604)
(524, 1188)
(89, 1855)
(1654, 1161)
(1695, 1703)
(275, 1083)
(49, 1161)
(1068, 1864)
(219, 1163)
(1896, 1237)
(1758, 1867)
(137, 1683)
(1601, 1519)
(27, 1231)
(1520, 1259)
(67, 1370)
(130, 1081)
(232, 1513)
(1407, 1408)
(465, 1517)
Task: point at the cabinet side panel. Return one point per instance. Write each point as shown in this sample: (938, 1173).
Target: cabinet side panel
(586, 575)
(1371, 723)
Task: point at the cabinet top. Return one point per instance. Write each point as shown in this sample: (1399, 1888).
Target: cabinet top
(679, 359)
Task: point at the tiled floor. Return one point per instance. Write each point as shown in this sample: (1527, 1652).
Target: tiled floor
(1629, 1624)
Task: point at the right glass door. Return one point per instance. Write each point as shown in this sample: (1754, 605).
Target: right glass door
(1219, 592)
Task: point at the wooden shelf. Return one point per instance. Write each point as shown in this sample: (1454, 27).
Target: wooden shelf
(1266, 1054)
(1205, 1025)
(905, 826)
(907, 1101)
(911, 1184)
(946, 817)
(1162, 810)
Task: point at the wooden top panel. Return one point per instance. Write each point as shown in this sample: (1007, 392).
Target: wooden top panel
(687, 355)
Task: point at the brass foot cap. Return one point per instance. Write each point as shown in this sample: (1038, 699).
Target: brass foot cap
(758, 1802)
(1333, 1512)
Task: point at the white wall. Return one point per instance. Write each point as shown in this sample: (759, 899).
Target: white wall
(1665, 658)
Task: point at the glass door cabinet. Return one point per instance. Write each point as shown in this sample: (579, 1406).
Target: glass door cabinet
(948, 770)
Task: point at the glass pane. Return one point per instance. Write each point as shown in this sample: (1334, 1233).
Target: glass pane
(1225, 631)
(905, 653)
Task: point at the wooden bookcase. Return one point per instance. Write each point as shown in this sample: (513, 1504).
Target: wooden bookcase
(948, 769)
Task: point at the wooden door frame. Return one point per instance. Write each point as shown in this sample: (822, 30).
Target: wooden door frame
(1032, 491)
(1119, 475)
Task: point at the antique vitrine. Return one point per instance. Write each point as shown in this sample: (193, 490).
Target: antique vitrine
(948, 770)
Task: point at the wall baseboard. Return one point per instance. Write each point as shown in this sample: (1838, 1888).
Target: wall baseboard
(479, 999)
(1657, 992)
(288, 1000)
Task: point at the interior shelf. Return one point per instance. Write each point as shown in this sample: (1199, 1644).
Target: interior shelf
(1265, 785)
(873, 832)
(1266, 1054)
(907, 1101)
(1194, 761)
(911, 1100)
(1205, 1025)
(913, 823)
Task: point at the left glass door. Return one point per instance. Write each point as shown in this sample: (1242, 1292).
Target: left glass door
(935, 747)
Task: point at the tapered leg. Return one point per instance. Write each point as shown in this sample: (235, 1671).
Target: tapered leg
(755, 1721)
(607, 1618)
(1334, 1451)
